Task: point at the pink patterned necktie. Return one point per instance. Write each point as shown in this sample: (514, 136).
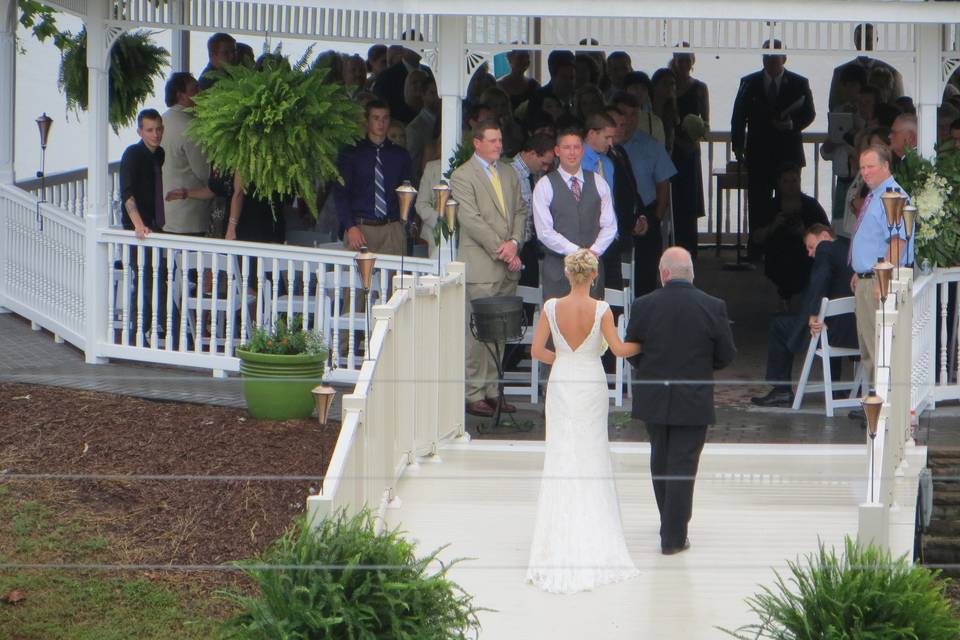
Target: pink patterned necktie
(575, 188)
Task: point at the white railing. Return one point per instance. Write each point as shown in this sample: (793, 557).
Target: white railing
(893, 460)
(196, 299)
(936, 356)
(720, 223)
(68, 190)
(42, 266)
(401, 407)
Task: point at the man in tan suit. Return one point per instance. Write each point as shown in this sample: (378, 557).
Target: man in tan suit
(492, 218)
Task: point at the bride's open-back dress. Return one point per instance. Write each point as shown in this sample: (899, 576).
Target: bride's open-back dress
(578, 540)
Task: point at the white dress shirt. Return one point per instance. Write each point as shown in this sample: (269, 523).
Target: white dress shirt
(543, 219)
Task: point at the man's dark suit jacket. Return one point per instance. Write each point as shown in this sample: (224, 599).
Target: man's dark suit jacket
(767, 147)
(624, 196)
(686, 337)
(829, 278)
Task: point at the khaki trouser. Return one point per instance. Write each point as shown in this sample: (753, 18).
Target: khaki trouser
(481, 374)
(865, 309)
(388, 239)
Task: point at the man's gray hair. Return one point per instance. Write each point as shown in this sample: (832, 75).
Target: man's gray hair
(676, 263)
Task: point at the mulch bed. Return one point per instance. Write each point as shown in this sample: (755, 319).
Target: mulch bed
(195, 522)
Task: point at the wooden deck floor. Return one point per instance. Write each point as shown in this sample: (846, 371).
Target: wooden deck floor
(756, 506)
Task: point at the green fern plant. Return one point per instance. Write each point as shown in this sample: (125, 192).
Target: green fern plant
(862, 594)
(345, 580)
(280, 128)
(135, 63)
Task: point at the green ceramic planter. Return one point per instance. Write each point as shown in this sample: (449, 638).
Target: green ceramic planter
(278, 387)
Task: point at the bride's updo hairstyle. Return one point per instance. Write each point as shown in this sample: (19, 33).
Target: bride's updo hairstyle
(580, 266)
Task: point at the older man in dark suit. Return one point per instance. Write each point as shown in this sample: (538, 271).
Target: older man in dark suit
(686, 337)
(772, 109)
(790, 333)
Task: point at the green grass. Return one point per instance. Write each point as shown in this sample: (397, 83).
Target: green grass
(85, 605)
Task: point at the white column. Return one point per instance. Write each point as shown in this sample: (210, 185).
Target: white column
(8, 83)
(96, 211)
(929, 86)
(450, 58)
(179, 40)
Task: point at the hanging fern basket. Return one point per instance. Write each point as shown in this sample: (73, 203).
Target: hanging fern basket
(280, 127)
(135, 64)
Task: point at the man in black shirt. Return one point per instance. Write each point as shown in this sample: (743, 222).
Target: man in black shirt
(141, 197)
(221, 51)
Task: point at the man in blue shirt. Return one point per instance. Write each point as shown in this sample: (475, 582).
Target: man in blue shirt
(600, 131)
(652, 168)
(366, 202)
(873, 240)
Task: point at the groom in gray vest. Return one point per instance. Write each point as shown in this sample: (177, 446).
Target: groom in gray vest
(572, 209)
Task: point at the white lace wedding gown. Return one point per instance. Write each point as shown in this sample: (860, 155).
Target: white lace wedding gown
(578, 540)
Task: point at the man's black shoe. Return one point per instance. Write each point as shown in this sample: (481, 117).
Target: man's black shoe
(669, 551)
(776, 398)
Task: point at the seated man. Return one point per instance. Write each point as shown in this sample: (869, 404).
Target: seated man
(791, 333)
(785, 258)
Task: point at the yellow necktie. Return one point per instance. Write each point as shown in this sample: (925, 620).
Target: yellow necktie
(600, 168)
(495, 179)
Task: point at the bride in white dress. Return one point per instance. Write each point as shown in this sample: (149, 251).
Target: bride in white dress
(578, 540)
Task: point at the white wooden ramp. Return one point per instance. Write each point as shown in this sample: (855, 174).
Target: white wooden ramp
(756, 506)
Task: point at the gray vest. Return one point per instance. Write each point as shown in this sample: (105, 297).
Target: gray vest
(578, 222)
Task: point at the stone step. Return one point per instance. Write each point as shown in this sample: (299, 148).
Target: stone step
(942, 550)
(947, 527)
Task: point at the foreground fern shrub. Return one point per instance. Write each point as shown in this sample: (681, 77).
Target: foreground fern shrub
(281, 127)
(135, 63)
(862, 595)
(346, 581)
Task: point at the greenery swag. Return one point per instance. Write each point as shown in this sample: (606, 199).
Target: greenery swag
(934, 188)
(861, 594)
(280, 127)
(346, 580)
(135, 62)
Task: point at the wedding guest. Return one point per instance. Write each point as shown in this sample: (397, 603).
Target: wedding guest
(839, 94)
(518, 86)
(420, 131)
(786, 262)
(692, 102)
(637, 85)
(367, 203)
(790, 333)
(185, 169)
(221, 51)
(618, 66)
(142, 206)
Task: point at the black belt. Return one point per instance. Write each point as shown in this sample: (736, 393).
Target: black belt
(869, 274)
(375, 222)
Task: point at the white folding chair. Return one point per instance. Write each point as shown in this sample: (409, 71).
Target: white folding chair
(821, 348)
(621, 376)
(534, 296)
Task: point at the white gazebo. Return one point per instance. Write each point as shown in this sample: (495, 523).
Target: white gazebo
(62, 267)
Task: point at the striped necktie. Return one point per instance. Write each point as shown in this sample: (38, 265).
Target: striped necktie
(498, 188)
(379, 191)
(575, 188)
